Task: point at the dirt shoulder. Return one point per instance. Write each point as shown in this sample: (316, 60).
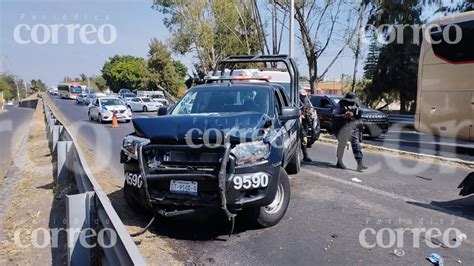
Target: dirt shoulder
(31, 209)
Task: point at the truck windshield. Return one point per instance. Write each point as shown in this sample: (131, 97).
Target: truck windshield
(224, 100)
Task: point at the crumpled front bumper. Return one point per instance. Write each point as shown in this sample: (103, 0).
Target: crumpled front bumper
(213, 170)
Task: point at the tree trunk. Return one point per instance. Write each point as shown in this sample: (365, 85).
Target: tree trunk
(403, 104)
(312, 71)
(357, 51)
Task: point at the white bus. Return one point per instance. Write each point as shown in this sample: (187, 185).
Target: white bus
(445, 103)
(69, 90)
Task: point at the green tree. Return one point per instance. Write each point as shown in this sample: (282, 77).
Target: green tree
(180, 68)
(372, 61)
(326, 30)
(211, 30)
(161, 68)
(6, 88)
(125, 72)
(38, 85)
(397, 65)
(99, 83)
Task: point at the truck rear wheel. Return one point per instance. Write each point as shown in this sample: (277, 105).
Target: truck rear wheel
(270, 215)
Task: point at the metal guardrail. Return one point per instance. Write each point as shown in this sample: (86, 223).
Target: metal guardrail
(89, 210)
(401, 119)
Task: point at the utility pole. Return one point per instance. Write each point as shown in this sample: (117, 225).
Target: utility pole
(292, 27)
(17, 89)
(26, 88)
(358, 46)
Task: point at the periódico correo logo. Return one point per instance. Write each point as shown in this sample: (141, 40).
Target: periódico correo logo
(64, 33)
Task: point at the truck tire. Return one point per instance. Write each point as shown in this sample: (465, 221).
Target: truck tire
(129, 200)
(294, 165)
(270, 215)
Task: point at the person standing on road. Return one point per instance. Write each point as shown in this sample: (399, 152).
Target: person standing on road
(305, 123)
(348, 127)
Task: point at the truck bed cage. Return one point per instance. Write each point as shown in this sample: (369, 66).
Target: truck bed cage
(231, 61)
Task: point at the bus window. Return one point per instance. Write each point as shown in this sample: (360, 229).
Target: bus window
(460, 52)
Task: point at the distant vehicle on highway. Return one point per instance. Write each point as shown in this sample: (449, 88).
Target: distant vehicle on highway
(375, 123)
(126, 97)
(123, 91)
(9, 103)
(102, 109)
(445, 101)
(144, 104)
(156, 96)
(80, 99)
(92, 96)
(69, 90)
(53, 91)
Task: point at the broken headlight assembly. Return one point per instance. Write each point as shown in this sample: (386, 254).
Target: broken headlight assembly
(131, 144)
(250, 152)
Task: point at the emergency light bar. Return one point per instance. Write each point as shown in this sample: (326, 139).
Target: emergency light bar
(240, 78)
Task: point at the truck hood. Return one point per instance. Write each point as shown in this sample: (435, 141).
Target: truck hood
(177, 129)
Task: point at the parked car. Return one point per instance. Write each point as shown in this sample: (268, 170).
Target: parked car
(156, 96)
(375, 123)
(144, 104)
(123, 91)
(126, 97)
(92, 96)
(102, 109)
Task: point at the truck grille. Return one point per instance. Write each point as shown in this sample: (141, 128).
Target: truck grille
(182, 161)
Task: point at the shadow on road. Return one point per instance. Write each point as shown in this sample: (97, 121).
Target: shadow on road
(204, 225)
(462, 207)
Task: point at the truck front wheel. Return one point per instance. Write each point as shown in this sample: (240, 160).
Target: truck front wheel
(270, 215)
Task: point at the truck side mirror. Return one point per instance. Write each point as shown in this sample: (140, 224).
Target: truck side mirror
(289, 113)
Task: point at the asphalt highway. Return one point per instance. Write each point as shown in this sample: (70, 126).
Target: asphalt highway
(335, 216)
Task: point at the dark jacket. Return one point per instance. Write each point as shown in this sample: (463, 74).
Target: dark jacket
(340, 120)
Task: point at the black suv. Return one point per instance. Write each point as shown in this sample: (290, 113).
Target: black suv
(375, 122)
(227, 144)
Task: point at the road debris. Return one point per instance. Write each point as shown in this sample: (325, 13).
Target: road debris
(460, 238)
(435, 259)
(399, 252)
(424, 178)
(357, 180)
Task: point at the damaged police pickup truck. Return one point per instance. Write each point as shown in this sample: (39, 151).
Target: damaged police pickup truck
(227, 144)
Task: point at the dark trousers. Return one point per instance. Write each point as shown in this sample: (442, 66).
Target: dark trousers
(349, 133)
(304, 149)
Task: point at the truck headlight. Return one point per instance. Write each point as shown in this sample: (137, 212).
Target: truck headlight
(130, 145)
(250, 152)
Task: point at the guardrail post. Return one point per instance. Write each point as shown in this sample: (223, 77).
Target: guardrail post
(56, 133)
(80, 211)
(63, 148)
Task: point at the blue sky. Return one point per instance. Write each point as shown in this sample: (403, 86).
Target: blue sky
(135, 22)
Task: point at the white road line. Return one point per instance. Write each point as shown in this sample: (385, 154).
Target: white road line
(382, 193)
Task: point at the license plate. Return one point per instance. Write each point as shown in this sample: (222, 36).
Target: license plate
(184, 187)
